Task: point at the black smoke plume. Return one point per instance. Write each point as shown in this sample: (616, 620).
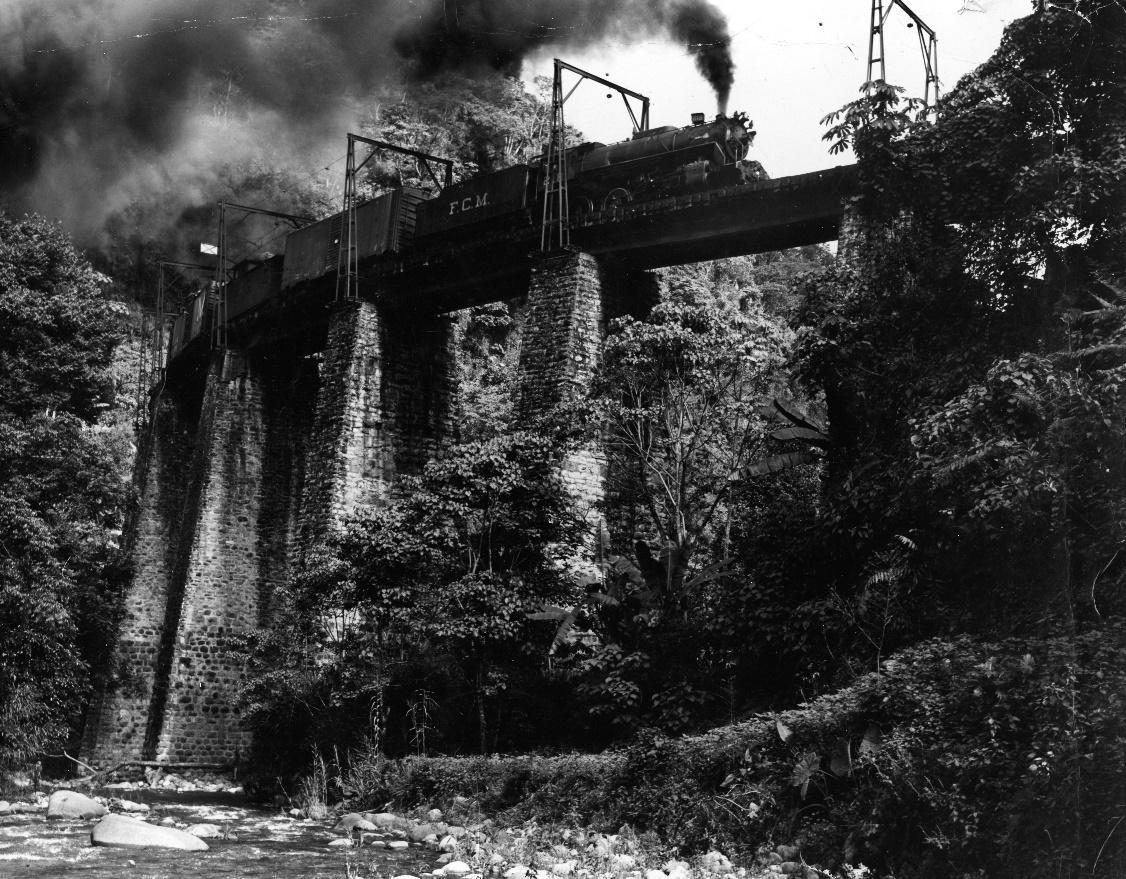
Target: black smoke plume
(105, 104)
(459, 34)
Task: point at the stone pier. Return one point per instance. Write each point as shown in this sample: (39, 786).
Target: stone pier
(213, 531)
(572, 297)
(384, 407)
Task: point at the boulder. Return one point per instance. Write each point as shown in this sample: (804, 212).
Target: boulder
(204, 831)
(447, 843)
(434, 815)
(788, 852)
(655, 874)
(563, 868)
(456, 868)
(419, 832)
(397, 845)
(715, 862)
(128, 806)
(385, 820)
(341, 843)
(623, 862)
(352, 822)
(5, 807)
(678, 869)
(168, 821)
(120, 830)
(71, 804)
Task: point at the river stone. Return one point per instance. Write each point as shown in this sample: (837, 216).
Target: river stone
(788, 852)
(128, 806)
(456, 868)
(397, 845)
(386, 820)
(419, 832)
(715, 862)
(405, 876)
(204, 831)
(517, 872)
(434, 815)
(341, 843)
(352, 822)
(125, 831)
(563, 868)
(623, 862)
(70, 804)
(5, 807)
(655, 874)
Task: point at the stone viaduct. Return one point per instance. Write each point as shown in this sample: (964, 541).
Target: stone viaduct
(257, 449)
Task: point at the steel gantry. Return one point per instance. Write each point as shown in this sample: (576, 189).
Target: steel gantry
(347, 260)
(928, 47)
(556, 232)
(219, 321)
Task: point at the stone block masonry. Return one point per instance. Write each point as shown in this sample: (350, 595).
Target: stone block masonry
(571, 299)
(215, 523)
(240, 516)
(387, 389)
(118, 718)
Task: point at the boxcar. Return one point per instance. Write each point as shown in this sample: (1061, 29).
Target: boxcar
(383, 225)
(480, 198)
(255, 282)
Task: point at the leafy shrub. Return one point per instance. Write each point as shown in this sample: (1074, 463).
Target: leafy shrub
(958, 755)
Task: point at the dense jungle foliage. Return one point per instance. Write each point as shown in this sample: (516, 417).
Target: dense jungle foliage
(63, 486)
(887, 488)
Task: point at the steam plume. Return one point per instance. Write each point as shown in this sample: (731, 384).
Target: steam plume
(105, 103)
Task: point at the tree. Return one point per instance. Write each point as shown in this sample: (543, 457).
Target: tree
(434, 591)
(679, 405)
(61, 493)
(968, 354)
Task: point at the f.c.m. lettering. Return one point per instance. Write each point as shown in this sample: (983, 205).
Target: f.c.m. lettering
(469, 203)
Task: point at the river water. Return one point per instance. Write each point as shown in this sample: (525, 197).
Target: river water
(268, 844)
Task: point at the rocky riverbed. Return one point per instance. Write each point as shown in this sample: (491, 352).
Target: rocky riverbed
(244, 841)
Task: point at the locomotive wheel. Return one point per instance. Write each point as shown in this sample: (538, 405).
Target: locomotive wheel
(617, 197)
(582, 205)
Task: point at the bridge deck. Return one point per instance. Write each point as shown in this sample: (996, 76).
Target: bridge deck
(446, 274)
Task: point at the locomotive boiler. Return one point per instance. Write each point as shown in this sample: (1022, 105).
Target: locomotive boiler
(654, 163)
(660, 162)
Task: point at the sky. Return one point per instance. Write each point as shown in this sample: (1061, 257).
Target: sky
(796, 61)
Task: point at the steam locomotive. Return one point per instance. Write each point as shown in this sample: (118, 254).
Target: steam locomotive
(653, 164)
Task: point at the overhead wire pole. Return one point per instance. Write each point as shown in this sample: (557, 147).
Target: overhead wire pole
(219, 318)
(928, 47)
(347, 259)
(556, 229)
